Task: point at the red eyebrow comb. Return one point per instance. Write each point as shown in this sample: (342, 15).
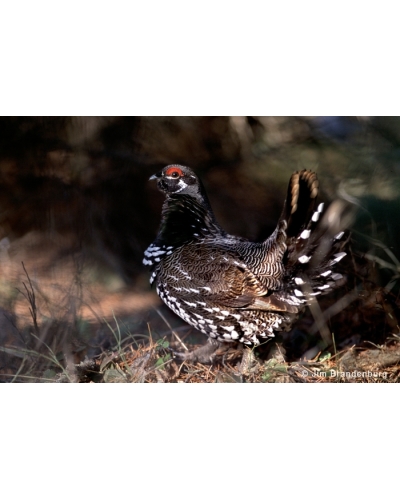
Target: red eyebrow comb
(171, 170)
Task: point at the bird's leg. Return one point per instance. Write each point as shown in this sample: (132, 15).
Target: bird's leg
(204, 354)
(247, 362)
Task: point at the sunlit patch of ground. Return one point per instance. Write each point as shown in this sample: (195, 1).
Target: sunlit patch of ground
(62, 303)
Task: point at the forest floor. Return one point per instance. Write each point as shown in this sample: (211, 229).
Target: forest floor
(154, 363)
(67, 322)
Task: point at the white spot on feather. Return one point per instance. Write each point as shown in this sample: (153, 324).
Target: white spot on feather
(154, 254)
(228, 328)
(191, 304)
(315, 217)
(339, 256)
(305, 234)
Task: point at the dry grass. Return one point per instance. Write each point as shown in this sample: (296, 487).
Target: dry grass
(136, 360)
(153, 363)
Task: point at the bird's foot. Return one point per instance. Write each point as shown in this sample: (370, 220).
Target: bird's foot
(205, 354)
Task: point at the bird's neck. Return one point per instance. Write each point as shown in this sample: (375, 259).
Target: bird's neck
(186, 218)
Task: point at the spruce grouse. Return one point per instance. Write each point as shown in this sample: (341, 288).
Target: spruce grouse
(229, 288)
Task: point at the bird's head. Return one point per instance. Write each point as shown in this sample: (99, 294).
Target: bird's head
(177, 179)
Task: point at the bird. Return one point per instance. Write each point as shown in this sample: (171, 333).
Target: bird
(229, 288)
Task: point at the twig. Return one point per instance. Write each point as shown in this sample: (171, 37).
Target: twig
(319, 319)
(30, 297)
(176, 336)
(337, 307)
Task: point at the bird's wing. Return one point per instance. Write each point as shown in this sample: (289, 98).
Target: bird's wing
(225, 279)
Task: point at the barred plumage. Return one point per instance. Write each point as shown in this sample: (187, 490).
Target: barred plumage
(229, 288)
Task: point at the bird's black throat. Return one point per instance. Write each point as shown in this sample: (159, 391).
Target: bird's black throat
(185, 218)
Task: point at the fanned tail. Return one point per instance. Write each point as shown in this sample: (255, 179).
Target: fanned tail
(315, 240)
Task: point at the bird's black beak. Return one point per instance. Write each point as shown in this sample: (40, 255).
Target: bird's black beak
(155, 176)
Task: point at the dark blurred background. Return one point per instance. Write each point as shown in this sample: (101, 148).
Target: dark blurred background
(75, 189)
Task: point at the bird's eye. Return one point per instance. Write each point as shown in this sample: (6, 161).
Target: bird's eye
(174, 172)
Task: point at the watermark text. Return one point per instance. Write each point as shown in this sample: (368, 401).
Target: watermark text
(354, 374)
